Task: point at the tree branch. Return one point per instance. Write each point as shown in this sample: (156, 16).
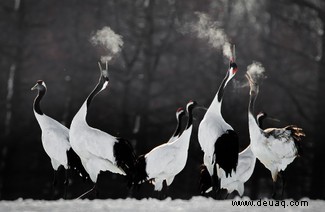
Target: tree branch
(311, 6)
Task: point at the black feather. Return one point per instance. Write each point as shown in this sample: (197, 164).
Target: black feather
(205, 180)
(75, 164)
(226, 151)
(125, 157)
(140, 174)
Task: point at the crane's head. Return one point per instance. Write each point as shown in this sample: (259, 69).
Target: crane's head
(260, 117)
(103, 75)
(180, 112)
(194, 105)
(232, 70)
(232, 64)
(40, 86)
(104, 72)
(191, 105)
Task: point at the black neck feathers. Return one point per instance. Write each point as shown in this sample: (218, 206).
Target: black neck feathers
(97, 89)
(37, 107)
(190, 116)
(222, 87)
(177, 131)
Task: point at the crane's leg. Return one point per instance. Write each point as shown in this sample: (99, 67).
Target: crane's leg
(216, 183)
(226, 197)
(54, 183)
(274, 190)
(283, 177)
(217, 189)
(163, 193)
(94, 188)
(66, 183)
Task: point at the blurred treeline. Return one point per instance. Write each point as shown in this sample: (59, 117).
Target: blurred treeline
(159, 69)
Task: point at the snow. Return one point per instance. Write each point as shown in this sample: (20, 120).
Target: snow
(194, 204)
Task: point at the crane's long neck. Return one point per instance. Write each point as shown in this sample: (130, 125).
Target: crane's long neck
(216, 103)
(99, 87)
(253, 126)
(177, 131)
(190, 119)
(82, 113)
(186, 134)
(37, 101)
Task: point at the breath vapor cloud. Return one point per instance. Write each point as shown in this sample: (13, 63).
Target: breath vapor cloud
(109, 41)
(256, 71)
(205, 28)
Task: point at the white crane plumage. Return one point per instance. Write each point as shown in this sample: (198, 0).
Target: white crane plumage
(98, 150)
(164, 162)
(55, 138)
(275, 148)
(217, 138)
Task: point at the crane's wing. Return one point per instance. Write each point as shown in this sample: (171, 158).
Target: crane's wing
(100, 144)
(56, 143)
(208, 133)
(246, 165)
(159, 160)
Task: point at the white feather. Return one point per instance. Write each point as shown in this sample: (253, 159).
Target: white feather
(94, 147)
(244, 170)
(167, 160)
(55, 140)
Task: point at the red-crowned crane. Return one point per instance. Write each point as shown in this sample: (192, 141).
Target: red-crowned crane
(275, 148)
(98, 150)
(164, 162)
(244, 170)
(55, 139)
(217, 138)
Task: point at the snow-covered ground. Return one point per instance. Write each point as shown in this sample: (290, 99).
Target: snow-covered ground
(121, 205)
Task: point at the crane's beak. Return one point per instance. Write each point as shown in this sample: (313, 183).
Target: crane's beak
(104, 72)
(273, 119)
(254, 88)
(250, 80)
(34, 87)
(201, 107)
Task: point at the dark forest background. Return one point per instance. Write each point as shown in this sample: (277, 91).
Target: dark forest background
(159, 69)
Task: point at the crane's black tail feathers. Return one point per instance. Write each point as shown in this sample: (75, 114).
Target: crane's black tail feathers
(125, 157)
(205, 179)
(297, 135)
(140, 174)
(226, 151)
(75, 164)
